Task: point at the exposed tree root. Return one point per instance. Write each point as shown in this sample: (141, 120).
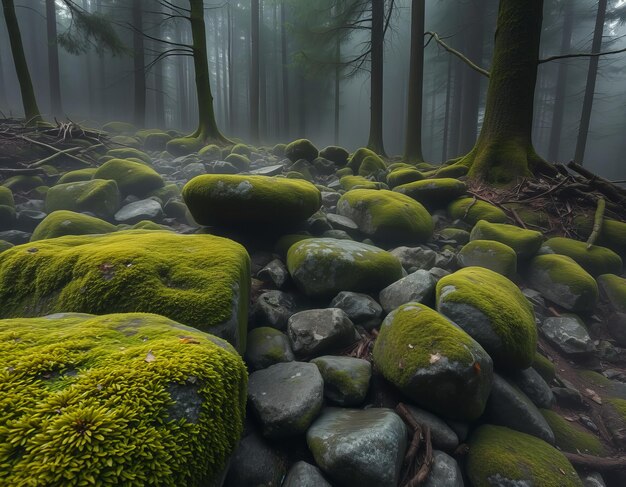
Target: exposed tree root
(416, 467)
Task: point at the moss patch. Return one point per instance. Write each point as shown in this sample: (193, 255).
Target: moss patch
(471, 211)
(501, 456)
(544, 367)
(359, 156)
(402, 176)
(98, 196)
(372, 166)
(525, 243)
(595, 260)
(433, 193)
(301, 149)
(571, 439)
(200, 280)
(183, 146)
(62, 222)
(127, 399)
(357, 182)
(489, 254)
(127, 153)
(78, 175)
(613, 288)
(131, 177)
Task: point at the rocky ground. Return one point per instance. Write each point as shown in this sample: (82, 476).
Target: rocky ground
(399, 326)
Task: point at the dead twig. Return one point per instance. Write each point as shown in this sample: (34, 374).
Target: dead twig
(597, 223)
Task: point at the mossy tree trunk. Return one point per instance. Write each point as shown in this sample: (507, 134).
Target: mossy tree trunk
(413, 144)
(504, 150)
(29, 101)
(375, 142)
(207, 125)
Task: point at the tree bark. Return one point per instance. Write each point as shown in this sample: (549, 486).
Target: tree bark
(504, 149)
(254, 71)
(583, 130)
(139, 64)
(375, 141)
(3, 92)
(29, 101)
(56, 104)
(413, 141)
(207, 126)
(561, 82)
(285, 73)
(262, 76)
(337, 90)
(231, 73)
(446, 119)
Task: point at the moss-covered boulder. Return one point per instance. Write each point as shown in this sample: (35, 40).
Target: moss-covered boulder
(7, 208)
(239, 161)
(156, 141)
(544, 367)
(121, 399)
(612, 235)
(456, 235)
(524, 242)
(98, 196)
(387, 216)
(183, 146)
(613, 290)
(493, 311)
(62, 222)
(572, 438)
(327, 266)
(242, 201)
(241, 149)
(128, 153)
(338, 155)
(359, 156)
(77, 175)
(402, 176)
(433, 193)
(201, 280)
(560, 279)
(210, 152)
(471, 211)
(434, 362)
(500, 456)
(489, 254)
(23, 183)
(131, 177)
(595, 260)
(4, 246)
(301, 149)
(372, 166)
(125, 142)
(357, 182)
(117, 128)
(614, 418)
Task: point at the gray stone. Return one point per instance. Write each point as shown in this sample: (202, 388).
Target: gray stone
(446, 260)
(317, 331)
(346, 379)
(361, 308)
(444, 472)
(318, 223)
(568, 333)
(303, 474)
(194, 169)
(510, 407)
(273, 308)
(330, 199)
(535, 387)
(268, 170)
(415, 257)
(15, 237)
(28, 220)
(616, 324)
(443, 437)
(336, 234)
(286, 398)
(221, 167)
(267, 346)
(339, 222)
(255, 463)
(362, 448)
(34, 205)
(417, 287)
(593, 480)
(275, 273)
(137, 211)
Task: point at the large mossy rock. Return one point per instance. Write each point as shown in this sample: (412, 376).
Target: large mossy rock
(62, 222)
(560, 279)
(502, 457)
(129, 153)
(434, 362)
(120, 399)
(433, 193)
(301, 149)
(471, 211)
(526, 243)
(77, 175)
(612, 234)
(183, 146)
(359, 156)
(493, 310)
(350, 182)
(200, 280)
(403, 175)
(131, 177)
(387, 216)
(595, 260)
(250, 200)
(489, 254)
(98, 196)
(613, 289)
(326, 266)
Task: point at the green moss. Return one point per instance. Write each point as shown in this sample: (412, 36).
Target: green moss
(400, 165)
(297, 175)
(131, 177)
(338, 155)
(530, 215)
(62, 222)
(6, 197)
(326, 266)
(196, 279)
(279, 150)
(78, 175)
(402, 176)
(489, 254)
(479, 210)
(552, 274)
(413, 341)
(126, 141)
(501, 456)
(241, 149)
(525, 243)
(595, 260)
(119, 128)
(7, 217)
(544, 367)
(241, 162)
(619, 405)
(344, 171)
(154, 140)
(456, 234)
(211, 152)
(433, 193)
(301, 149)
(357, 182)
(183, 146)
(98, 196)
(570, 438)
(387, 216)
(40, 192)
(149, 225)
(453, 171)
(234, 200)
(613, 288)
(4, 245)
(372, 166)
(359, 156)
(166, 193)
(500, 301)
(80, 389)
(128, 152)
(23, 183)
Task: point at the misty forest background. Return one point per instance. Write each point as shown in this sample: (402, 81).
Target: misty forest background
(313, 71)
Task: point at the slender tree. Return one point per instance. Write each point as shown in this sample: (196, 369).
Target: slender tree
(413, 141)
(254, 70)
(375, 141)
(139, 63)
(285, 71)
(53, 58)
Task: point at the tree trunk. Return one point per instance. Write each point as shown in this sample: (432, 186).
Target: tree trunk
(31, 110)
(254, 71)
(3, 93)
(583, 130)
(455, 116)
(446, 118)
(139, 64)
(375, 141)
(561, 82)
(413, 142)
(262, 75)
(284, 57)
(471, 79)
(337, 89)
(504, 150)
(231, 73)
(207, 126)
(56, 104)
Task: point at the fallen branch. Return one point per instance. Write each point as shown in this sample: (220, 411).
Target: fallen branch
(597, 223)
(605, 186)
(599, 464)
(53, 149)
(54, 156)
